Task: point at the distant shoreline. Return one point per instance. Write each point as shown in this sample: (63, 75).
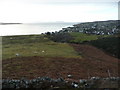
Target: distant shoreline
(9, 23)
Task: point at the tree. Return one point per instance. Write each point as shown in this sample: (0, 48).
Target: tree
(48, 33)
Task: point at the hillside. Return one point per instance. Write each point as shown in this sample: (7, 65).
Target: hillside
(101, 34)
(31, 54)
(64, 59)
(107, 43)
(110, 27)
(110, 45)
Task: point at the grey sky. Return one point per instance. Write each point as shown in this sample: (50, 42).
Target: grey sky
(58, 10)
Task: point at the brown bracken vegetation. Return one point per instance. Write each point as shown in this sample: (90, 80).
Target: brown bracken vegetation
(94, 62)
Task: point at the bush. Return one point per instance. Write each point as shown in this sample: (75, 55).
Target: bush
(109, 44)
(60, 37)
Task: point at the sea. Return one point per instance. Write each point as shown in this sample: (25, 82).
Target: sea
(32, 28)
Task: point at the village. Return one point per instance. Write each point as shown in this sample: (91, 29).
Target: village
(97, 28)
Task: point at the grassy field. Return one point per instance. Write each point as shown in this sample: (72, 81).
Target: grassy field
(35, 45)
(81, 37)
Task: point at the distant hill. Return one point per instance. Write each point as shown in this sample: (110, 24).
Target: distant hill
(9, 23)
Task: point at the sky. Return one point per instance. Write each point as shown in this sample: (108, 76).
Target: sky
(29, 11)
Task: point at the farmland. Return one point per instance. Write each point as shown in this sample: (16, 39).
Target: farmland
(35, 46)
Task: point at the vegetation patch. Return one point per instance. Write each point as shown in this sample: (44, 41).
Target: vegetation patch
(20, 47)
(81, 37)
(109, 45)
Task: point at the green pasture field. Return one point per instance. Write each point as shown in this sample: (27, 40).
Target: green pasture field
(81, 37)
(35, 45)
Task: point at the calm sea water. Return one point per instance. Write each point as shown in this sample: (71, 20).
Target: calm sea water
(36, 28)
